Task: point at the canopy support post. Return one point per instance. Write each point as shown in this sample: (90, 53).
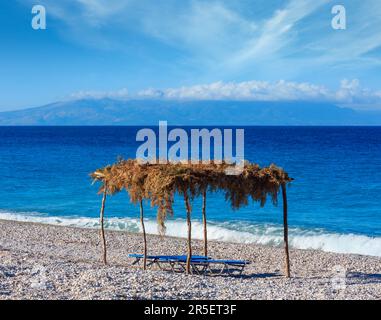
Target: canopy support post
(285, 230)
(204, 222)
(144, 234)
(189, 224)
(102, 233)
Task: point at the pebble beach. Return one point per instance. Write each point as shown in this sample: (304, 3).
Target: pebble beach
(50, 262)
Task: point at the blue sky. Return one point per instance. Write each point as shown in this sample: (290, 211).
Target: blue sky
(247, 49)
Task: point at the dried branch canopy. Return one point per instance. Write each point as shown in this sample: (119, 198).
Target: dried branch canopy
(159, 183)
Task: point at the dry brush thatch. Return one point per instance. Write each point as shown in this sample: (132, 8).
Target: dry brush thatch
(160, 182)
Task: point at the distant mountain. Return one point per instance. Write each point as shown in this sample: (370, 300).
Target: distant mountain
(150, 112)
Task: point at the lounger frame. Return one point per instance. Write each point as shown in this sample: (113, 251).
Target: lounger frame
(199, 265)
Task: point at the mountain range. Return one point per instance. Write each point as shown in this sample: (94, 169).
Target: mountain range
(149, 112)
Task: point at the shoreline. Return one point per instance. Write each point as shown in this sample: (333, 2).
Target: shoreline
(41, 261)
(178, 238)
(299, 238)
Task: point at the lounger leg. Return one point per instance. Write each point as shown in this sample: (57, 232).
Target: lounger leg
(162, 266)
(242, 268)
(217, 271)
(137, 260)
(208, 268)
(172, 264)
(204, 268)
(182, 266)
(196, 268)
(223, 269)
(158, 264)
(178, 267)
(228, 271)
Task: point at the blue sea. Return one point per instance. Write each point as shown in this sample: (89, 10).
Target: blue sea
(334, 202)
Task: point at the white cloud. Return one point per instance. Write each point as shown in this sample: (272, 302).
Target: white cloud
(249, 90)
(349, 93)
(265, 91)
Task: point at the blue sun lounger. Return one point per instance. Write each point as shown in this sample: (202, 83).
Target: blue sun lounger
(162, 258)
(151, 259)
(199, 264)
(226, 266)
(176, 263)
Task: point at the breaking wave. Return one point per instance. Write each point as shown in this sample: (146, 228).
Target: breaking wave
(232, 231)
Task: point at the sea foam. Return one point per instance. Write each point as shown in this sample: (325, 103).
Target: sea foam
(237, 232)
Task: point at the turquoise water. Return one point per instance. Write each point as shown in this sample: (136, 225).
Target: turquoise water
(334, 202)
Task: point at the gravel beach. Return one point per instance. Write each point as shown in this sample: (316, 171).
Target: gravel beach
(50, 262)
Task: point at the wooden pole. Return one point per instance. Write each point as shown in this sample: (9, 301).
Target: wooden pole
(204, 222)
(189, 223)
(285, 229)
(144, 234)
(103, 239)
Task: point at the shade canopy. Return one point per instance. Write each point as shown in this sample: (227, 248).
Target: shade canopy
(159, 183)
